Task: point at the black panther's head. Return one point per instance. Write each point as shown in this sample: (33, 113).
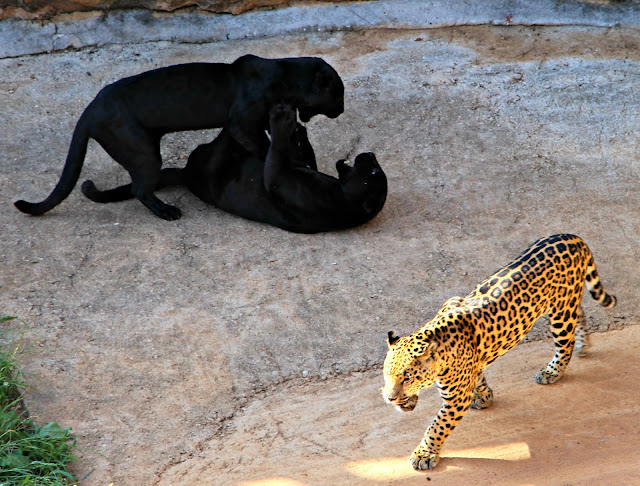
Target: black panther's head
(365, 181)
(324, 94)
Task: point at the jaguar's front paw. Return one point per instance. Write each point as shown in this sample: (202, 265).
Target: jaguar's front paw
(482, 400)
(422, 460)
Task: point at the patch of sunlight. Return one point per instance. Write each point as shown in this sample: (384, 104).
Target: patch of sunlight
(387, 468)
(272, 482)
(516, 451)
(383, 469)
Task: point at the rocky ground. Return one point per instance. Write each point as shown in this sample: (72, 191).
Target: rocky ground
(214, 350)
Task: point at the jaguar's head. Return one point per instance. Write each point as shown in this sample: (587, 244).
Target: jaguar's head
(409, 367)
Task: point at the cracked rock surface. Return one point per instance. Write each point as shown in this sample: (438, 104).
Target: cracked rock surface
(217, 340)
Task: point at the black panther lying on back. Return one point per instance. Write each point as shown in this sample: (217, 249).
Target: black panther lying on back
(128, 118)
(285, 190)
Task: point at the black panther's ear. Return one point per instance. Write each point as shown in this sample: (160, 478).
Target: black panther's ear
(342, 168)
(252, 66)
(392, 338)
(371, 204)
(322, 80)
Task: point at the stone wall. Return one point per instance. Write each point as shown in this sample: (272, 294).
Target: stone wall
(77, 29)
(46, 9)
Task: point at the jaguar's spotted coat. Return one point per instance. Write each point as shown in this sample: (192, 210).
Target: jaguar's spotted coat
(467, 334)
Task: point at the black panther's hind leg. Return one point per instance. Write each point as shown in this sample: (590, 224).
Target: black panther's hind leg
(139, 153)
(168, 177)
(211, 165)
(120, 193)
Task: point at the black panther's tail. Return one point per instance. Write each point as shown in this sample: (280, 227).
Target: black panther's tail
(69, 177)
(168, 177)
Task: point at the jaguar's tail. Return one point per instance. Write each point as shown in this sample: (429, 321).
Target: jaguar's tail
(595, 287)
(168, 177)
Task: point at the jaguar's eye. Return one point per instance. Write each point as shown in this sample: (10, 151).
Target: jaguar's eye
(407, 377)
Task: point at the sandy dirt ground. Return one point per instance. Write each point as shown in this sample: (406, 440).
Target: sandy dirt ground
(341, 432)
(213, 350)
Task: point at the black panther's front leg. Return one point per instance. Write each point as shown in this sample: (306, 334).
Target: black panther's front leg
(278, 162)
(301, 152)
(247, 124)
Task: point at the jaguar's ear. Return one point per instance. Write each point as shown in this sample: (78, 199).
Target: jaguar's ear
(428, 352)
(392, 338)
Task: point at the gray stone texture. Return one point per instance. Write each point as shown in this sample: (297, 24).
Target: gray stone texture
(97, 28)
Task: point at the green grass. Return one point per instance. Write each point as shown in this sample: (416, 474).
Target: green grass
(30, 454)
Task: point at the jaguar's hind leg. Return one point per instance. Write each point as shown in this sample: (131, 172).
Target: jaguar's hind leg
(482, 394)
(582, 336)
(563, 329)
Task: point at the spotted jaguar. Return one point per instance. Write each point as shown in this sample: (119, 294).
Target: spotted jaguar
(453, 349)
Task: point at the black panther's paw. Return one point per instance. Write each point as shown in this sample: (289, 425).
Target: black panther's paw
(282, 119)
(161, 209)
